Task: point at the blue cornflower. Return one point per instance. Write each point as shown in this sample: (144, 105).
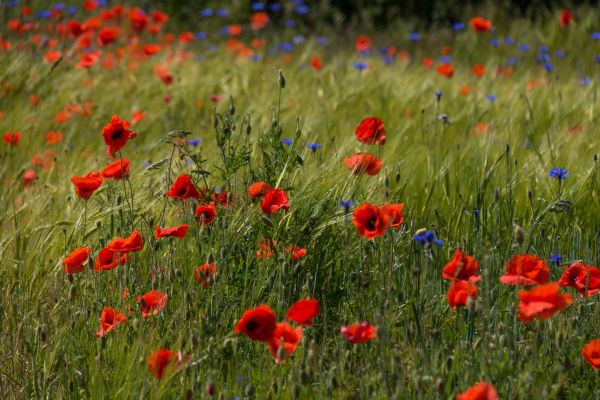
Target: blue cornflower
(596, 35)
(258, 6)
(458, 26)
(438, 95)
(560, 54)
(346, 204)
(543, 58)
(543, 49)
(298, 39)
(428, 238)
(44, 14)
(256, 57)
(147, 163)
(71, 10)
(275, 7)
(222, 12)
(584, 81)
(59, 6)
(212, 48)
(524, 47)
(360, 65)
(414, 36)
(511, 61)
(491, 97)
(445, 59)
(509, 41)
(388, 59)
(476, 213)
(207, 12)
(314, 146)
(302, 9)
(224, 30)
(549, 67)
(290, 23)
(286, 47)
(598, 58)
(101, 3)
(558, 173)
(495, 42)
(194, 142)
(287, 142)
(555, 259)
(200, 35)
(12, 3)
(322, 41)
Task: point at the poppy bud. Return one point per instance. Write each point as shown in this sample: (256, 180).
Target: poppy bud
(398, 177)
(231, 106)
(119, 199)
(248, 129)
(43, 336)
(211, 389)
(449, 361)
(281, 80)
(507, 149)
(439, 383)
(155, 245)
(73, 290)
(98, 224)
(519, 235)
(530, 195)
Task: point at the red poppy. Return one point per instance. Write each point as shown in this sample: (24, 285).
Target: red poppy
(223, 198)
(108, 259)
(565, 18)
(274, 200)
(87, 60)
(205, 273)
(542, 302)
(257, 323)
(591, 353)
(584, 278)
(371, 131)
(29, 178)
(265, 248)
(363, 43)
(363, 163)
(109, 319)
(152, 302)
(446, 69)
(304, 311)
(12, 137)
(394, 213)
(480, 24)
(178, 231)
(461, 268)
(478, 70)
(107, 36)
(53, 137)
(164, 75)
(137, 116)
(134, 242)
(75, 28)
(427, 62)
(359, 333)
(315, 63)
(259, 20)
(86, 185)
(524, 269)
(183, 188)
(206, 213)
(151, 49)
(481, 391)
(160, 17)
(459, 293)
(162, 361)
(116, 134)
(138, 19)
(74, 261)
(117, 169)
(258, 189)
(235, 30)
(286, 337)
(297, 252)
(370, 221)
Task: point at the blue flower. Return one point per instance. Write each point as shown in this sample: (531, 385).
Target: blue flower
(495, 42)
(491, 97)
(428, 238)
(147, 163)
(549, 67)
(555, 259)
(558, 173)
(302, 9)
(360, 65)
(445, 59)
(275, 7)
(476, 213)
(560, 54)
(212, 48)
(207, 12)
(543, 58)
(287, 142)
(388, 59)
(543, 49)
(71, 10)
(523, 47)
(44, 14)
(222, 12)
(438, 95)
(414, 36)
(511, 61)
(290, 23)
(321, 41)
(200, 35)
(298, 39)
(12, 3)
(194, 142)
(597, 59)
(314, 146)
(101, 3)
(258, 6)
(584, 81)
(596, 35)
(458, 26)
(59, 6)
(286, 47)
(346, 204)
(509, 41)
(256, 57)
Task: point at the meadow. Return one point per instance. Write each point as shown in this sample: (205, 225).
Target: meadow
(483, 138)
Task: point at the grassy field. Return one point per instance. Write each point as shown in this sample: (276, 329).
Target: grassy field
(472, 167)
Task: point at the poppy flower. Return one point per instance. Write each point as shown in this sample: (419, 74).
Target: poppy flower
(542, 302)
(297, 252)
(53, 137)
(108, 259)
(363, 43)
(591, 353)
(163, 360)
(74, 261)
(524, 269)
(86, 185)
(286, 337)
(304, 311)
(459, 293)
(117, 169)
(116, 134)
(584, 278)
(257, 323)
(480, 24)
(12, 138)
(134, 242)
(205, 273)
(446, 69)
(370, 131)
(481, 391)
(152, 302)
(565, 18)
(223, 198)
(107, 36)
(427, 62)
(478, 70)
(461, 268)
(109, 319)
(138, 19)
(359, 333)
(52, 56)
(363, 163)
(178, 231)
(370, 221)
(258, 190)
(164, 75)
(265, 248)
(183, 188)
(274, 200)
(394, 212)
(87, 60)
(315, 63)
(206, 213)
(259, 20)
(29, 178)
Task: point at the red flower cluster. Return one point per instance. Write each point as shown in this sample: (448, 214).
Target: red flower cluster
(372, 221)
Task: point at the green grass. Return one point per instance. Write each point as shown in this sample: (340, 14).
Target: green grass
(440, 172)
